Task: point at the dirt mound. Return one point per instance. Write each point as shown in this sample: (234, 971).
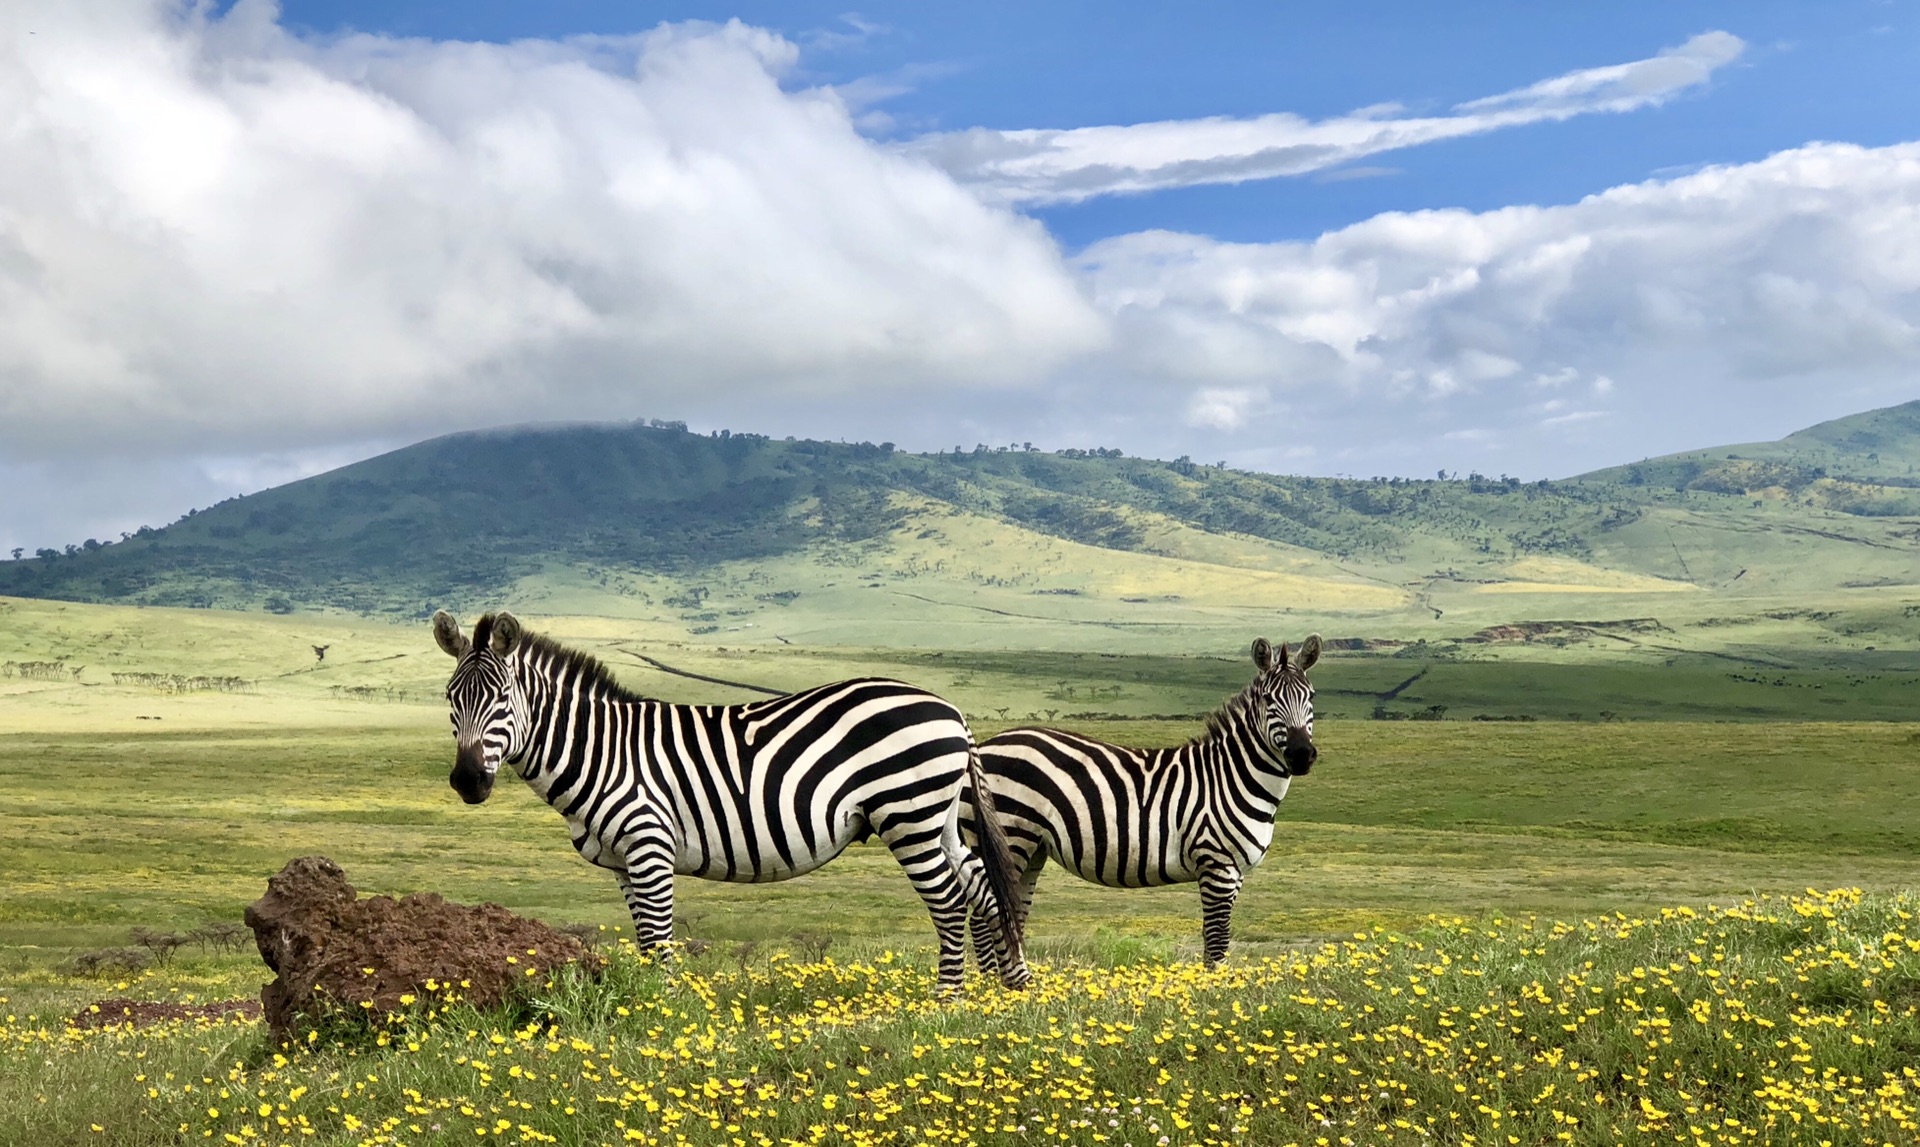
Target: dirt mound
(327, 945)
(119, 1011)
(1574, 630)
(1361, 644)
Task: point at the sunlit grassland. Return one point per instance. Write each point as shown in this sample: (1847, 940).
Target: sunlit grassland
(1400, 819)
(125, 669)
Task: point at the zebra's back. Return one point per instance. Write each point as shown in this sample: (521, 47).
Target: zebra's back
(773, 789)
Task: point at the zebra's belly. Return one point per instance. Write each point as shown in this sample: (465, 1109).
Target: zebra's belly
(734, 866)
(1127, 871)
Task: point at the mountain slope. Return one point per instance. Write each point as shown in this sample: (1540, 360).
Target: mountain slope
(1865, 463)
(723, 533)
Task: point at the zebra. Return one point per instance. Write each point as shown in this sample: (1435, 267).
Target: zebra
(1136, 818)
(745, 793)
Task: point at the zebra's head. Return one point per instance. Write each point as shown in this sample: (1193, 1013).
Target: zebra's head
(1287, 695)
(488, 714)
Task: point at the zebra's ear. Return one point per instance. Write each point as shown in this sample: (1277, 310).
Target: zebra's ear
(1263, 654)
(1309, 653)
(506, 633)
(446, 633)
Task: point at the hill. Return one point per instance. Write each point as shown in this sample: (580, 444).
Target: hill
(1862, 464)
(742, 538)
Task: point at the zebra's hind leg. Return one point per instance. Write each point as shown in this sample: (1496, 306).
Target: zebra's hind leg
(922, 851)
(1219, 888)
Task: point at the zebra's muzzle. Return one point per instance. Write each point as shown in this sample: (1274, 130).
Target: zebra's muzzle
(1300, 753)
(470, 777)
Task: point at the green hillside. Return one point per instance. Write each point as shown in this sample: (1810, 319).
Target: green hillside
(1862, 464)
(735, 539)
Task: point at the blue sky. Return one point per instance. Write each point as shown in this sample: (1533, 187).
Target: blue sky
(1838, 71)
(245, 243)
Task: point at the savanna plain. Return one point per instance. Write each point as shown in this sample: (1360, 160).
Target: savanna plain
(1546, 891)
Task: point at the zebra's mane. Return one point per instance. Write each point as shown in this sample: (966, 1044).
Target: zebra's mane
(1239, 705)
(589, 670)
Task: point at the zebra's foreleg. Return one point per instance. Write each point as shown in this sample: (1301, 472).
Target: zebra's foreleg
(990, 947)
(1219, 888)
(647, 885)
(989, 938)
(1029, 880)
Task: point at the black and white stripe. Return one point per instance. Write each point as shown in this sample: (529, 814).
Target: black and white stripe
(1137, 818)
(746, 793)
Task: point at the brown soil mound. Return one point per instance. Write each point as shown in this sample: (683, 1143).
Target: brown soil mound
(327, 945)
(117, 1011)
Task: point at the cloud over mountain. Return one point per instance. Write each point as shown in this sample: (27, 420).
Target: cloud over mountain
(215, 233)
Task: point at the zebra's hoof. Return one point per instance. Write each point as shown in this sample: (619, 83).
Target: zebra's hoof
(1017, 982)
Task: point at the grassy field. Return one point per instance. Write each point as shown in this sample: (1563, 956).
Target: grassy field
(156, 765)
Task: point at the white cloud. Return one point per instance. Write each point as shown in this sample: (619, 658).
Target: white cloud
(1068, 165)
(1734, 303)
(1572, 416)
(1223, 408)
(1621, 87)
(1695, 303)
(214, 234)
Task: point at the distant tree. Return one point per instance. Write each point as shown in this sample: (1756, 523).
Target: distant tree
(45, 554)
(90, 545)
(17, 551)
(72, 549)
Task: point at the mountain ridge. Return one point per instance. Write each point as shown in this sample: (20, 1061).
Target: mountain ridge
(574, 512)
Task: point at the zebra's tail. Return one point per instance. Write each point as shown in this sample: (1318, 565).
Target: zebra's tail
(995, 856)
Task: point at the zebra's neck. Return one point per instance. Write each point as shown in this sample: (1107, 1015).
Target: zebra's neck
(570, 711)
(1236, 743)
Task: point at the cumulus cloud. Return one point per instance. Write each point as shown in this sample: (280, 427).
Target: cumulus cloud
(214, 233)
(1036, 166)
(1714, 292)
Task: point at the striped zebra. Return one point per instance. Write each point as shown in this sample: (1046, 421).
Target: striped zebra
(1137, 818)
(745, 793)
